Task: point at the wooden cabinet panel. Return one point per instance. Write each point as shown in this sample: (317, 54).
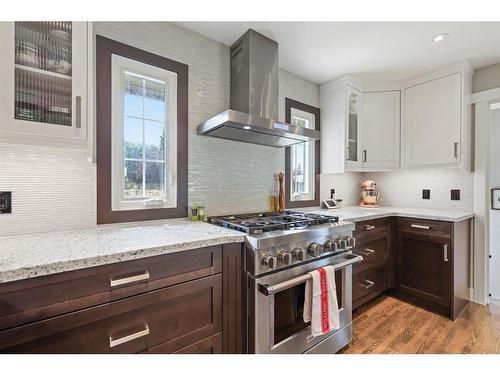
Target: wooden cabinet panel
(210, 345)
(374, 252)
(381, 130)
(30, 300)
(176, 316)
(368, 285)
(431, 227)
(371, 227)
(423, 267)
(433, 122)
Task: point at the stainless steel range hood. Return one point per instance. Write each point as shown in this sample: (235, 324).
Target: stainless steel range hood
(253, 112)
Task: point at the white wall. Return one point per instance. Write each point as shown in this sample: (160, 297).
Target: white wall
(494, 149)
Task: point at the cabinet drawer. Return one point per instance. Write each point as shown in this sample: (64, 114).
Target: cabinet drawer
(367, 284)
(209, 345)
(432, 227)
(365, 228)
(40, 298)
(177, 316)
(373, 252)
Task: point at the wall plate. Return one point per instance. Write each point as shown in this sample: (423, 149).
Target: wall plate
(5, 202)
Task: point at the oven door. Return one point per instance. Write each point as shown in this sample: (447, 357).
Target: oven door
(276, 323)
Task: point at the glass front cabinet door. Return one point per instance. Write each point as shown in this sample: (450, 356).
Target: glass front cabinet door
(44, 81)
(353, 136)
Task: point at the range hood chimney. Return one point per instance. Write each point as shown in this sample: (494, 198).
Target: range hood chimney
(253, 112)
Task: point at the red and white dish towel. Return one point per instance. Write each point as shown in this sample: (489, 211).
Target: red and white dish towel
(320, 302)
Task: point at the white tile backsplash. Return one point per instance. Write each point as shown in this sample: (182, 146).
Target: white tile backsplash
(52, 189)
(404, 188)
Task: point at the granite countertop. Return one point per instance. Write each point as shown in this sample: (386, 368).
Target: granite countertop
(355, 213)
(31, 255)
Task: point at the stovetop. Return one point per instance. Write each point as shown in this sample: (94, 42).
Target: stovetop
(258, 223)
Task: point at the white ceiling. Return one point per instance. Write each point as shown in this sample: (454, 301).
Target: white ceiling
(320, 51)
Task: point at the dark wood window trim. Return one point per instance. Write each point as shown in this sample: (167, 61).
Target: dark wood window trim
(289, 104)
(105, 48)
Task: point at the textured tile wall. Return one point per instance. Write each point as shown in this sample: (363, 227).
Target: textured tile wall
(53, 189)
(404, 188)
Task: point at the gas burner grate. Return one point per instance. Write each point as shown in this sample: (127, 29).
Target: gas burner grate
(270, 221)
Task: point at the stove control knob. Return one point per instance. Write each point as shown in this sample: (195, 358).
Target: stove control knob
(315, 249)
(285, 258)
(351, 242)
(299, 254)
(343, 243)
(330, 245)
(269, 262)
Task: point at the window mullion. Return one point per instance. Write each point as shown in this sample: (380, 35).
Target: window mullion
(144, 138)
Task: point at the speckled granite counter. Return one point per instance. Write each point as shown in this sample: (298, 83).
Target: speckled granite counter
(26, 256)
(355, 213)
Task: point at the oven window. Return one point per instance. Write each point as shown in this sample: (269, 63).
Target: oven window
(289, 309)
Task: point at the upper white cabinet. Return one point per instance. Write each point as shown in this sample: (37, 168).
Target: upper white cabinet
(43, 69)
(340, 126)
(436, 126)
(381, 130)
(359, 130)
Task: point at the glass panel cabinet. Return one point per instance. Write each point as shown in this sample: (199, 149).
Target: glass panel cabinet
(44, 69)
(352, 127)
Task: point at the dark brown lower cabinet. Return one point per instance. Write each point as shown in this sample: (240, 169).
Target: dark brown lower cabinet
(192, 310)
(433, 264)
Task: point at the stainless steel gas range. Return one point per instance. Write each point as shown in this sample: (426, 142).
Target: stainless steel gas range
(281, 248)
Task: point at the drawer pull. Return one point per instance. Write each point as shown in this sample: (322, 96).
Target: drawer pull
(128, 280)
(418, 226)
(133, 336)
(368, 285)
(367, 251)
(445, 253)
(370, 227)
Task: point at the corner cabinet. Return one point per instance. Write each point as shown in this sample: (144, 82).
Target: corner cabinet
(436, 126)
(44, 74)
(340, 126)
(359, 130)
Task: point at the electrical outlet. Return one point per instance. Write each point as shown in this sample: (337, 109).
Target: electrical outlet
(426, 194)
(5, 202)
(455, 195)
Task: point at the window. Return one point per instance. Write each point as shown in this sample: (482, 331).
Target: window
(302, 160)
(141, 134)
(144, 140)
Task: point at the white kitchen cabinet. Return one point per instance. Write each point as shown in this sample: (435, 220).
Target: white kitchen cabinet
(340, 126)
(436, 126)
(380, 143)
(43, 69)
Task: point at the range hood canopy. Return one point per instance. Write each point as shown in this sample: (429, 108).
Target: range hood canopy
(253, 112)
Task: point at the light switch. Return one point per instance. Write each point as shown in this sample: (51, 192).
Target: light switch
(5, 202)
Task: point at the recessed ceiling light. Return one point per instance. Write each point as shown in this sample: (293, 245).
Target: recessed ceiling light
(440, 37)
(246, 127)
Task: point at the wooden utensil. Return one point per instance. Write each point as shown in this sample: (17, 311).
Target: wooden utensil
(281, 199)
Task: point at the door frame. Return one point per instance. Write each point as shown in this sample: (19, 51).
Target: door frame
(482, 122)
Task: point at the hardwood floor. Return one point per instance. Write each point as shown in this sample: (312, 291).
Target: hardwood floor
(391, 326)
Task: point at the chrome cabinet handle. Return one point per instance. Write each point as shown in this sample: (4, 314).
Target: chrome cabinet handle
(130, 279)
(418, 226)
(364, 156)
(369, 284)
(367, 251)
(78, 112)
(370, 227)
(445, 252)
(133, 336)
(348, 156)
(455, 149)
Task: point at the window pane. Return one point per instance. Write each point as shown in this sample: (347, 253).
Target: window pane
(155, 100)
(155, 140)
(133, 179)
(155, 179)
(133, 138)
(133, 96)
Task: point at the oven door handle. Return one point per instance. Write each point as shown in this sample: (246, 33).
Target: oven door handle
(268, 290)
